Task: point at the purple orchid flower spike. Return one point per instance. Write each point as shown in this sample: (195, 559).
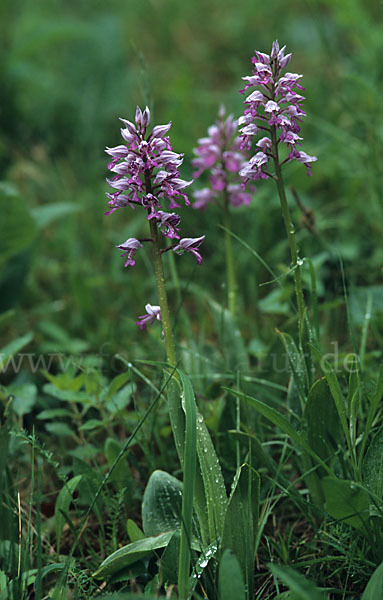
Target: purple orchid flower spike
(276, 106)
(190, 245)
(145, 160)
(221, 155)
(130, 248)
(146, 174)
(153, 313)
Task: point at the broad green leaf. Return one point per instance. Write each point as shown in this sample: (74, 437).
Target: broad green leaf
(67, 380)
(25, 398)
(297, 365)
(170, 559)
(63, 501)
(346, 501)
(121, 475)
(17, 227)
(134, 532)
(302, 588)
(60, 429)
(66, 394)
(276, 302)
(215, 492)
(374, 402)
(374, 589)
(372, 468)
(53, 413)
(189, 476)
(210, 495)
(13, 348)
(89, 485)
(120, 399)
(54, 568)
(123, 557)
(241, 520)
(323, 426)
(91, 424)
(116, 384)
(230, 579)
(161, 505)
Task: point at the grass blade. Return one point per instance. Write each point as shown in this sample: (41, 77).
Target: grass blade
(280, 421)
(190, 461)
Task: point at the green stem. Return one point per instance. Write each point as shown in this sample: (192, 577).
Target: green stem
(230, 268)
(161, 289)
(289, 230)
(162, 296)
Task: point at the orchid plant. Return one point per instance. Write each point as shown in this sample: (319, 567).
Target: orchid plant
(275, 111)
(146, 175)
(221, 155)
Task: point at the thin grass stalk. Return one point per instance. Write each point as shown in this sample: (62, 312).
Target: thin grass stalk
(314, 299)
(39, 561)
(230, 267)
(190, 463)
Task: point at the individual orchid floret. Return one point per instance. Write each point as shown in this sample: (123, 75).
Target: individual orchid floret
(130, 248)
(190, 245)
(153, 313)
(274, 109)
(168, 224)
(220, 155)
(253, 169)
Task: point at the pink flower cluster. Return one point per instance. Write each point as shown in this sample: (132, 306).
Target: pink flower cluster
(146, 174)
(277, 107)
(220, 154)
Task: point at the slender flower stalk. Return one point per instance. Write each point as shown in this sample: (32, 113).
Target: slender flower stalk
(146, 175)
(220, 155)
(163, 298)
(230, 265)
(290, 230)
(275, 111)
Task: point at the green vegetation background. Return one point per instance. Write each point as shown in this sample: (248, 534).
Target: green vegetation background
(70, 69)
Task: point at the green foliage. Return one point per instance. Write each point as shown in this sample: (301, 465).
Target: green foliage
(241, 524)
(323, 426)
(95, 428)
(300, 587)
(128, 555)
(161, 505)
(347, 501)
(231, 583)
(374, 587)
(373, 467)
(63, 501)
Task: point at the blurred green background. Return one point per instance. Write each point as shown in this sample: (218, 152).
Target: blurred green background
(70, 69)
